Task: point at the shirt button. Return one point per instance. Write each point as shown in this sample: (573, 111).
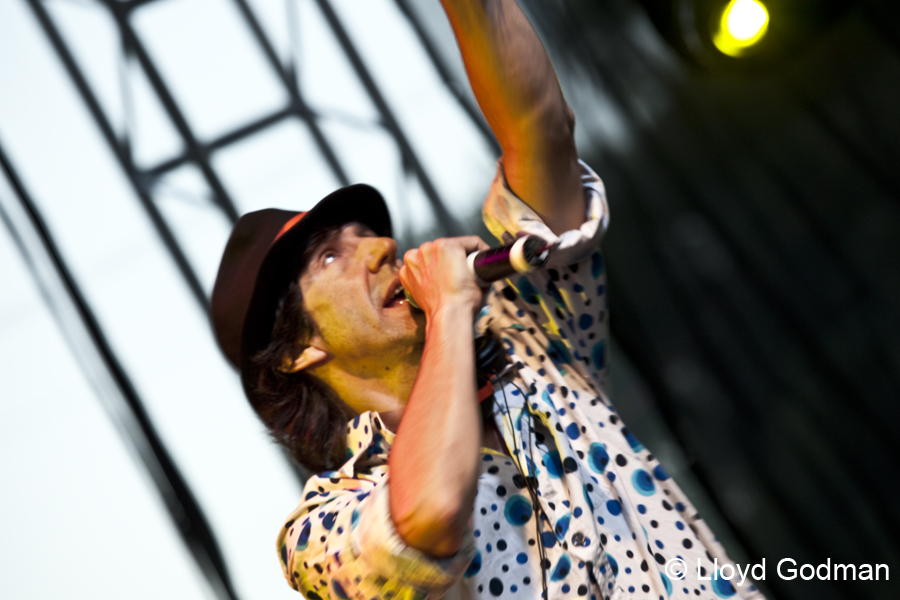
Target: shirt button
(577, 539)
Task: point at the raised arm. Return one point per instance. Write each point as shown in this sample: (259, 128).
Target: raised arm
(518, 92)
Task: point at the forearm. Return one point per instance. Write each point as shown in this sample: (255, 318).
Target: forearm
(519, 94)
(510, 72)
(434, 459)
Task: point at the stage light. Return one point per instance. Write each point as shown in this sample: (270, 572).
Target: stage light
(743, 24)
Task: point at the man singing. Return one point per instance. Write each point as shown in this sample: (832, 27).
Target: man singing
(420, 493)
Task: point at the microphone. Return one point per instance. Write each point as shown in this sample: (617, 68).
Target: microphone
(523, 255)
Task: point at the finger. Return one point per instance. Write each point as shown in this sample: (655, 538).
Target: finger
(473, 243)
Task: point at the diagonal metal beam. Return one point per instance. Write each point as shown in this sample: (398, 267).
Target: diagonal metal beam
(447, 220)
(162, 228)
(128, 414)
(289, 80)
(198, 152)
(443, 71)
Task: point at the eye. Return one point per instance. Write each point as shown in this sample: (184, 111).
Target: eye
(328, 257)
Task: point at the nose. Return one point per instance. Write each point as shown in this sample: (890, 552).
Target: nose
(380, 251)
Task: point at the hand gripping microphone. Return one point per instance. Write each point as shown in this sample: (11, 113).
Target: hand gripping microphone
(521, 256)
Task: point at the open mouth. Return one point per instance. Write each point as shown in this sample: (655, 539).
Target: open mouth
(397, 297)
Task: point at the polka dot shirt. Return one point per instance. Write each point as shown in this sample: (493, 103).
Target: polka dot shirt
(580, 506)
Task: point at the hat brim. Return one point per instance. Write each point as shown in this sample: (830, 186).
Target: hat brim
(356, 203)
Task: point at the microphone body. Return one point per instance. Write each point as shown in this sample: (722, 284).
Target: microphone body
(526, 253)
(521, 256)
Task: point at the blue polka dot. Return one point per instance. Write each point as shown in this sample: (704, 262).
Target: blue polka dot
(611, 476)
(339, 590)
(577, 511)
(474, 566)
(572, 431)
(642, 509)
(585, 321)
(721, 586)
(614, 507)
(643, 483)
(613, 564)
(666, 583)
(548, 539)
(513, 588)
(545, 396)
(660, 473)
(562, 526)
(303, 540)
(328, 521)
(553, 464)
(558, 352)
(679, 525)
(598, 354)
(679, 507)
(521, 558)
(565, 588)
(596, 265)
(562, 568)
(518, 510)
(659, 544)
(528, 292)
(598, 458)
(635, 444)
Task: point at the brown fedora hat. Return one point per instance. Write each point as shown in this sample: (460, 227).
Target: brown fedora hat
(261, 258)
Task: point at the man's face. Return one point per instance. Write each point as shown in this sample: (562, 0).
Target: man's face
(350, 291)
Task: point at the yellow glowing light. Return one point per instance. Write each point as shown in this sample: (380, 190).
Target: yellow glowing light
(743, 24)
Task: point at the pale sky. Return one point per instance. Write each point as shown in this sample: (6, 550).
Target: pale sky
(79, 515)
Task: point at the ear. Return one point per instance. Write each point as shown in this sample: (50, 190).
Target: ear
(310, 356)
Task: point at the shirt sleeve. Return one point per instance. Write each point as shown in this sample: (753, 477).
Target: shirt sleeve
(344, 545)
(559, 310)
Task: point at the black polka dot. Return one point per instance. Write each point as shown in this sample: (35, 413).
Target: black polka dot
(501, 491)
(569, 465)
(666, 505)
(613, 419)
(621, 460)
(659, 558)
(629, 554)
(519, 481)
(496, 586)
(687, 543)
(509, 294)
(644, 566)
(654, 524)
(527, 580)
(497, 526)
(582, 590)
(645, 587)
(504, 568)
(493, 470)
(501, 544)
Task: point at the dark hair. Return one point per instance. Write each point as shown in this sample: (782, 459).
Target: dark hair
(303, 414)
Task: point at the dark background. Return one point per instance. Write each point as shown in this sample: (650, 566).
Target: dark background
(754, 262)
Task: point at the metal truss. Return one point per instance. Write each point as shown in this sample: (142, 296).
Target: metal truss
(139, 432)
